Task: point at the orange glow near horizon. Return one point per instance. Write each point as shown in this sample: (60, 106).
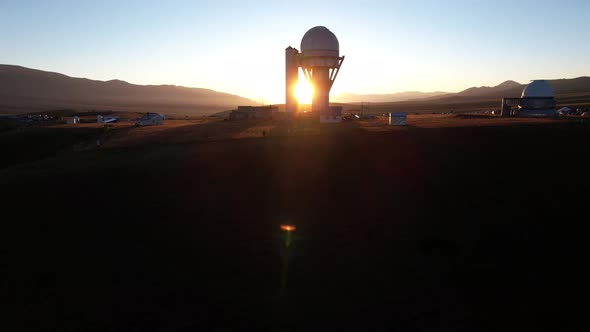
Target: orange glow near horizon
(304, 91)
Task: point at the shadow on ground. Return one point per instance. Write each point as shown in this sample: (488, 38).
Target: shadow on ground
(456, 229)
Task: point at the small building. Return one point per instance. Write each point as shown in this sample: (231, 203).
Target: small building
(397, 119)
(73, 120)
(107, 118)
(254, 112)
(537, 100)
(564, 111)
(150, 119)
(333, 115)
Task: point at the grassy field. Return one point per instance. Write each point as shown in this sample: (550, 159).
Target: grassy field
(456, 223)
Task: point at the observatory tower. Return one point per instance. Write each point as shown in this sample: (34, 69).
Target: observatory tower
(320, 60)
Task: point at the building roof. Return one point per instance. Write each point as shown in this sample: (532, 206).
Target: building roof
(538, 89)
(320, 41)
(149, 116)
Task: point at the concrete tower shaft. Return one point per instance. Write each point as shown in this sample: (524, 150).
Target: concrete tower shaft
(321, 79)
(291, 79)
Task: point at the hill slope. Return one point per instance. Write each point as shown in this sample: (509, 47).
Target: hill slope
(25, 90)
(573, 92)
(384, 98)
(562, 87)
(487, 90)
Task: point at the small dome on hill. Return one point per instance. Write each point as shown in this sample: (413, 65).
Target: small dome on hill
(538, 89)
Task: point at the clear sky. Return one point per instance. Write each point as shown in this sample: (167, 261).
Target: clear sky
(238, 46)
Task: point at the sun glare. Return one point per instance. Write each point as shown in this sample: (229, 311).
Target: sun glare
(304, 92)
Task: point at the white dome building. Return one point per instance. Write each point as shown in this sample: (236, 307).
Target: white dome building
(538, 89)
(537, 100)
(319, 41)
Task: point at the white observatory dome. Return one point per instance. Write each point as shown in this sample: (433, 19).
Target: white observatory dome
(319, 41)
(538, 89)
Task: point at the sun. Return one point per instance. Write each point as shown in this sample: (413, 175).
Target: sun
(304, 92)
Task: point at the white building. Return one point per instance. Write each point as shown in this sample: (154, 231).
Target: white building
(74, 120)
(150, 119)
(254, 112)
(333, 115)
(537, 100)
(397, 119)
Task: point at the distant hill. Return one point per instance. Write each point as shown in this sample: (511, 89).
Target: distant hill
(486, 90)
(383, 98)
(28, 90)
(562, 87)
(573, 92)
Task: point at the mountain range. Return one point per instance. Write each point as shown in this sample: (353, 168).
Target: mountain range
(384, 98)
(573, 92)
(562, 87)
(24, 90)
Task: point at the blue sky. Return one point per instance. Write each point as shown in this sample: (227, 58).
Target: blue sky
(238, 46)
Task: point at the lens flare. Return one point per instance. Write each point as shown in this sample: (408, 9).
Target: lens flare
(288, 228)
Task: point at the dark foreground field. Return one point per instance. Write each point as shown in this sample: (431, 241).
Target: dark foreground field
(420, 229)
